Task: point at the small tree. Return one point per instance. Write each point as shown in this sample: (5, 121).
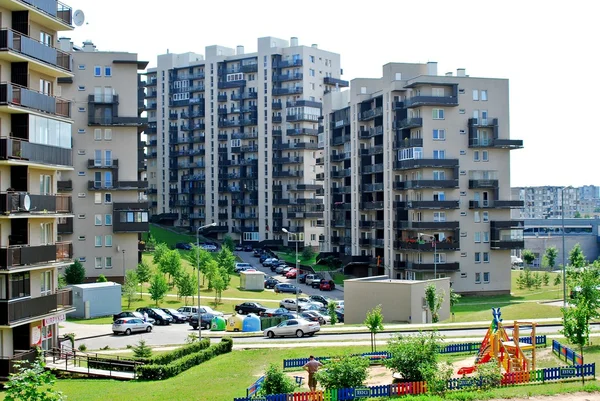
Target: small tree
(374, 322)
(454, 298)
(333, 318)
(170, 264)
(537, 281)
(62, 282)
(527, 256)
(129, 288)
(577, 215)
(576, 328)
(101, 279)
(158, 287)
(345, 372)
(159, 250)
(199, 256)
(141, 350)
(187, 286)
(75, 273)
(411, 354)
(546, 278)
(32, 382)
(215, 279)
(550, 255)
(150, 242)
(557, 281)
(226, 260)
(307, 253)
(434, 301)
(276, 382)
(576, 256)
(143, 275)
(228, 243)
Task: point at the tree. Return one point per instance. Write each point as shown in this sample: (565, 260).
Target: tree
(101, 279)
(141, 350)
(577, 215)
(307, 253)
(158, 287)
(576, 328)
(550, 255)
(150, 242)
(546, 278)
(345, 372)
(557, 281)
(75, 273)
(434, 299)
(170, 264)
(576, 256)
(331, 312)
(226, 260)
(186, 286)
(199, 256)
(143, 274)
(454, 298)
(411, 354)
(129, 288)
(228, 243)
(374, 322)
(62, 282)
(32, 382)
(215, 278)
(276, 382)
(159, 250)
(527, 256)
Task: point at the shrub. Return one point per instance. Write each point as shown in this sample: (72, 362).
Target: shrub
(141, 350)
(82, 347)
(345, 372)
(166, 358)
(410, 355)
(75, 273)
(489, 375)
(276, 382)
(437, 377)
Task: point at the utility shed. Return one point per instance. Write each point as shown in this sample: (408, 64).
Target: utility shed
(96, 299)
(253, 281)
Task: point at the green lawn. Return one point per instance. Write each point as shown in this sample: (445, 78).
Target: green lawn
(169, 237)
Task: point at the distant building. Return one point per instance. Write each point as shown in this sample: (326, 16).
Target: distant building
(546, 202)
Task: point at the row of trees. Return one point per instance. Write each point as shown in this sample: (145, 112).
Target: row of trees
(576, 257)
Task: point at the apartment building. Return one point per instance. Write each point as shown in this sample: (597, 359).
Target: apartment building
(546, 202)
(417, 180)
(35, 147)
(232, 139)
(109, 202)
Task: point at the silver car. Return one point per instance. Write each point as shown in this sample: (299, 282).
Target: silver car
(130, 325)
(293, 327)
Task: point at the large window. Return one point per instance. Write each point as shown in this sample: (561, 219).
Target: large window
(19, 285)
(133, 217)
(46, 131)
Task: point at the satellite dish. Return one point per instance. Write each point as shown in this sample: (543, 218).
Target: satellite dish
(26, 203)
(78, 17)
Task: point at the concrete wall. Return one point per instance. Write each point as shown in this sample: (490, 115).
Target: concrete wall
(538, 245)
(401, 300)
(105, 299)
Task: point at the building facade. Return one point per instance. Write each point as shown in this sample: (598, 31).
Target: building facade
(416, 177)
(109, 204)
(232, 139)
(35, 147)
(546, 202)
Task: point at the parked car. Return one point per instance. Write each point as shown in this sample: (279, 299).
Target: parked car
(242, 266)
(291, 273)
(315, 316)
(157, 314)
(310, 278)
(271, 282)
(281, 268)
(205, 321)
(290, 304)
(321, 298)
(293, 327)
(248, 248)
(315, 306)
(340, 315)
(264, 256)
(239, 248)
(209, 248)
(129, 325)
(192, 310)
(183, 245)
(177, 317)
(257, 253)
(269, 261)
(138, 315)
(274, 312)
(339, 304)
(302, 278)
(250, 307)
(327, 285)
(284, 287)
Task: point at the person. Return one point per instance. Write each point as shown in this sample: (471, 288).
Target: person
(312, 366)
(145, 317)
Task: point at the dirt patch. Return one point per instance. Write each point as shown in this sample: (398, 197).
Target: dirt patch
(561, 397)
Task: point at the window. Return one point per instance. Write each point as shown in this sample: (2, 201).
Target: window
(486, 217)
(98, 73)
(81, 238)
(437, 114)
(108, 158)
(81, 88)
(98, 262)
(108, 262)
(108, 134)
(81, 66)
(461, 111)
(477, 257)
(476, 217)
(97, 134)
(439, 134)
(486, 236)
(108, 71)
(437, 92)
(475, 94)
(312, 59)
(313, 237)
(477, 237)
(98, 219)
(476, 156)
(108, 219)
(46, 283)
(486, 275)
(46, 233)
(477, 278)
(486, 257)
(484, 98)
(484, 155)
(20, 285)
(311, 72)
(98, 198)
(98, 240)
(108, 179)
(439, 154)
(108, 240)
(45, 184)
(439, 175)
(439, 216)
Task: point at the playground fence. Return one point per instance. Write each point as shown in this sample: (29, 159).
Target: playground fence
(414, 388)
(567, 353)
(253, 389)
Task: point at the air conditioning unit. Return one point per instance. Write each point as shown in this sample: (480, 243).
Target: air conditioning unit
(118, 248)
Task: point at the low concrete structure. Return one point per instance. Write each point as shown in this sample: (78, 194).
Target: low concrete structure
(96, 299)
(401, 300)
(252, 281)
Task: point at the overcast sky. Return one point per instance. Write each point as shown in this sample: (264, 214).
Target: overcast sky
(548, 50)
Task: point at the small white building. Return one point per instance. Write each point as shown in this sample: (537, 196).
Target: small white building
(252, 281)
(96, 299)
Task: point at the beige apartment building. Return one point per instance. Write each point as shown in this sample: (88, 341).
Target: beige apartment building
(109, 203)
(232, 139)
(35, 148)
(417, 177)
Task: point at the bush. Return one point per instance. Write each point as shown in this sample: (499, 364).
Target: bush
(75, 273)
(164, 359)
(345, 372)
(437, 377)
(161, 372)
(489, 374)
(141, 350)
(82, 347)
(276, 382)
(410, 355)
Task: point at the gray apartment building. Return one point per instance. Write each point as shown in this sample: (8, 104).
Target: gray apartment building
(109, 201)
(417, 179)
(232, 139)
(546, 202)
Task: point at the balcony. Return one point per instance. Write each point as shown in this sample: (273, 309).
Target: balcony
(371, 114)
(434, 225)
(370, 132)
(222, 98)
(117, 185)
(418, 184)
(130, 217)
(496, 143)
(276, 105)
(65, 227)
(408, 143)
(439, 267)
(474, 184)
(421, 163)
(22, 202)
(336, 81)
(44, 58)
(17, 256)
(496, 204)
(116, 121)
(302, 117)
(370, 187)
(287, 91)
(51, 13)
(64, 185)
(106, 164)
(16, 310)
(287, 63)
(372, 169)
(417, 101)
(288, 77)
(232, 84)
(218, 229)
(371, 205)
(304, 187)
(426, 247)
(16, 96)
(433, 204)
(408, 123)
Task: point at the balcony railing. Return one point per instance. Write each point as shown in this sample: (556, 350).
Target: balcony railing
(408, 143)
(16, 41)
(474, 184)
(20, 96)
(335, 81)
(14, 148)
(22, 202)
(421, 163)
(433, 204)
(27, 308)
(427, 247)
(25, 255)
(415, 184)
(114, 120)
(116, 185)
(440, 267)
(416, 101)
(12, 364)
(53, 8)
(66, 227)
(496, 204)
(64, 185)
(408, 123)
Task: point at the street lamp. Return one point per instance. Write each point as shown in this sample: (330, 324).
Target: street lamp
(123, 265)
(297, 266)
(433, 239)
(562, 218)
(198, 269)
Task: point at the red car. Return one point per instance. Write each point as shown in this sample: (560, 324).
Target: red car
(327, 285)
(291, 273)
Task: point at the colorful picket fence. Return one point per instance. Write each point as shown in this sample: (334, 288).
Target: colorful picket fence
(415, 388)
(376, 357)
(253, 389)
(567, 353)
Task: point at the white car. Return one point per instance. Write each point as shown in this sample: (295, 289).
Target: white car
(209, 248)
(130, 325)
(241, 267)
(339, 304)
(312, 277)
(290, 304)
(189, 311)
(293, 327)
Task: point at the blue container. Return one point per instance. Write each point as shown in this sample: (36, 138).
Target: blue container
(251, 323)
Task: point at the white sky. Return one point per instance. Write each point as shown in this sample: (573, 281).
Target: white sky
(544, 47)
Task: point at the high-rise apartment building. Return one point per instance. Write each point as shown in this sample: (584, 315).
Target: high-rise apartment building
(232, 139)
(35, 147)
(109, 202)
(417, 177)
(546, 202)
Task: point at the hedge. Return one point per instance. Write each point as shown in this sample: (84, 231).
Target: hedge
(161, 372)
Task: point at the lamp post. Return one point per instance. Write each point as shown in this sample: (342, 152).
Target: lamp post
(562, 218)
(123, 265)
(297, 266)
(434, 252)
(198, 269)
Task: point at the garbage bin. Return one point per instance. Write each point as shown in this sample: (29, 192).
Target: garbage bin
(265, 322)
(218, 324)
(251, 323)
(235, 323)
